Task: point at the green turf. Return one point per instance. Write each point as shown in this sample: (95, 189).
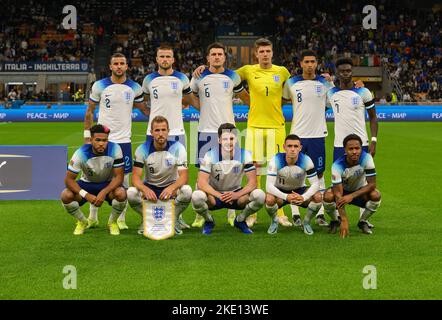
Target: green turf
(37, 241)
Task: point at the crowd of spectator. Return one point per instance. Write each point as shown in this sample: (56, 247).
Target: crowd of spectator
(34, 32)
(408, 40)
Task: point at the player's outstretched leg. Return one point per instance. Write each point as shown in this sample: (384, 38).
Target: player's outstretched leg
(136, 203)
(184, 195)
(73, 208)
(119, 203)
(370, 208)
(256, 201)
(199, 204)
(121, 221)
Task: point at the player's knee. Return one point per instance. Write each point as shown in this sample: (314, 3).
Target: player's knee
(258, 196)
(133, 195)
(67, 196)
(328, 196)
(120, 194)
(375, 195)
(185, 193)
(270, 200)
(198, 198)
(317, 197)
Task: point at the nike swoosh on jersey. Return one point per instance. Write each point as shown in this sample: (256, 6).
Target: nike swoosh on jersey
(206, 84)
(257, 77)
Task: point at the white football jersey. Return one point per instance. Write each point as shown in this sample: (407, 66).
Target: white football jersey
(226, 174)
(291, 177)
(215, 91)
(353, 178)
(309, 99)
(349, 108)
(115, 106)
(161, 167)
(166, 94)
(96, 168)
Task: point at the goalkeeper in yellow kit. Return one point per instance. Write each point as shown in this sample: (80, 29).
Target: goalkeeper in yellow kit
(266, 123)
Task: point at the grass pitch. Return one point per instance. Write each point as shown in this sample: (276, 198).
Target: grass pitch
(37, 241)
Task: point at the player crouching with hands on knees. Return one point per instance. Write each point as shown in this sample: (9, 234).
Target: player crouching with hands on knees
(166, 173)
(354, 182)
(219, 182)
(285, 184)
(102, 167)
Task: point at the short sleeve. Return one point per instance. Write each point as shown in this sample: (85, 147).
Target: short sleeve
(237, 83)
(286, 90)
(95, 95)
(336, 174)
(181, 157)
(139, 95)
(194, 85)
(243, 72)
(118, 156)
(367, 98)
(76, 162)
(369, 167)
(309, 167)
(186, 85)
(145, 86)
(140, 156)
(248, 161)
(285, 74)
(206, 163)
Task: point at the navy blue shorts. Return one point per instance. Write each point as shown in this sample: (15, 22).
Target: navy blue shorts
(127, 156)
(360, 201)
(338, 152)
(206, 141)
(181, 138)
(93, 188)
(300, 191)
(315, 149)
(222, 205)
(155, 189)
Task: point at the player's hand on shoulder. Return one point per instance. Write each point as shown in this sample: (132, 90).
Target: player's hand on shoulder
(359, 84)
(327, 77)
(198, 72)
(87, 140)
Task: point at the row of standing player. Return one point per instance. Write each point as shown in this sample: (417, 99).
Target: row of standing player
(266, 83)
